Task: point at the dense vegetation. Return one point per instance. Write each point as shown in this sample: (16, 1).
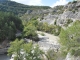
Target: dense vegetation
(9, 25)
(30, 29)
(70, 39)
(39, 26)
(17, 8)
(23, 51)
(29, 51)
(52, 29)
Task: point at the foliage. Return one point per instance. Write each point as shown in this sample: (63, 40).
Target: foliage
(30, 32)
(17, 8)
(70, 39)
(9, 24)
(23, 51)
(75, 7)
(33, 22)
(30, 29)
(53, 29)
(33, 53)
(55, 22)
(15, 48)
(57, 30)
(69, 2)
(42, 34)
(51, 54)
(68, 22)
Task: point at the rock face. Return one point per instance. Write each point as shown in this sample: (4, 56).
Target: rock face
(50, 19)
(62, 14)
(4, 47)
(3, 51)
(71, 11)
(69, 57)
(30, 14)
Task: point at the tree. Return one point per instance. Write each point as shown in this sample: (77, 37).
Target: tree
(30, 32)
(15, 48)
(23, 50)
(9, 24)
(32, 52)
(70, 39)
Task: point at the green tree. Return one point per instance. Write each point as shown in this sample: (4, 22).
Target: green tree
(32, 52)
(33, 22)
(23, 50)
(70, 39)
(9, 25)
(15, 48)
(30, 32)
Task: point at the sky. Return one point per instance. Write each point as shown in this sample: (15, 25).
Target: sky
(50, 3)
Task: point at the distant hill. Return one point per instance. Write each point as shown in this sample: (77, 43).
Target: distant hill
(17, 8)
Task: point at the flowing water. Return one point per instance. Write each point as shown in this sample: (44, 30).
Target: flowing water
(4, 57)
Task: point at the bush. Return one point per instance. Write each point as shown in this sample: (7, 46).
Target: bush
(30, 32)
(42, 34)
(21, 50)
(56, 31)
(51, 54)
(68, 22)
(70, 39)
(53, 29)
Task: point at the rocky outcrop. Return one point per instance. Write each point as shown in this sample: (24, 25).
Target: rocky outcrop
(70, 57)
(30, 14)
(50, 19)
(3, 51)
(63, 14)
(4, 47)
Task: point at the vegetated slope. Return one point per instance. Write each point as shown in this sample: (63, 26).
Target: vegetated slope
(9, 25)
(62, 15)
(17, 8)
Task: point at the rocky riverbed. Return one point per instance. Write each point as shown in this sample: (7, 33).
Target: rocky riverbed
(48, 41)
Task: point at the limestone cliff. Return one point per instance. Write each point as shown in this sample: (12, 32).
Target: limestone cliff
(61, 14)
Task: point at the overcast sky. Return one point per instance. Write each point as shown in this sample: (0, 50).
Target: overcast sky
(51, 3)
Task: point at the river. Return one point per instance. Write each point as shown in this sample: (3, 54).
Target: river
(4, 57)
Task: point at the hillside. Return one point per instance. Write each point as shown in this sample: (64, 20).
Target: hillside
(17, 8)
(39, 24)
(63, 15)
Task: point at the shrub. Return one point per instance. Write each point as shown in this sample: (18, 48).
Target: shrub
(42, 34)
(70, 39)
(74, 2)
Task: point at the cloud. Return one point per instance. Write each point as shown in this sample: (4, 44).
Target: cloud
(30, 2)
(60, 2)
